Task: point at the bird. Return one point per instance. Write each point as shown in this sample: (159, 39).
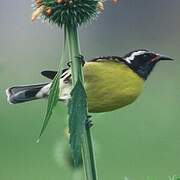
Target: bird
(111, 82)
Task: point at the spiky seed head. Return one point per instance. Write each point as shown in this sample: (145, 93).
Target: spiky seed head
(67, 12)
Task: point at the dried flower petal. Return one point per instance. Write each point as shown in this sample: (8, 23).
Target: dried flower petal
(38, 3)
(37, 13)
(100, 6)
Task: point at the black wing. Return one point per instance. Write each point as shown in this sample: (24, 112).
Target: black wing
(51, 74)
(107, 58)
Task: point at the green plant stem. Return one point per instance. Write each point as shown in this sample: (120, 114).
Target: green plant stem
(90, 164)
(87, 146)
(74, 52)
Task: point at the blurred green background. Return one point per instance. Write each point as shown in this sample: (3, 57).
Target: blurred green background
(141, 141)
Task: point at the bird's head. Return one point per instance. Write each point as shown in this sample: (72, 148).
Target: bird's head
(143, 61)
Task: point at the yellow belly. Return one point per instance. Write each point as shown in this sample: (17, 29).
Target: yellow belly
(110, 85)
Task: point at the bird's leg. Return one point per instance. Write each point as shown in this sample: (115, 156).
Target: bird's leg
(81, 59)
(89, 122)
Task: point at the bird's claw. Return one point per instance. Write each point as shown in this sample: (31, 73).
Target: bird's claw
(89, 116)
(89, 122)
(81, 59)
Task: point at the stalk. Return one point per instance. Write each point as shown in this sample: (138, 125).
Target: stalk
(71, 15)
(77, 74)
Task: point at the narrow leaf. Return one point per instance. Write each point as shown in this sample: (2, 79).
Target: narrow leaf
(77, 119)
(54, 90)
(52, 101)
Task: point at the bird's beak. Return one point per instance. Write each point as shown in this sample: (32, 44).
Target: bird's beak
(166, 58)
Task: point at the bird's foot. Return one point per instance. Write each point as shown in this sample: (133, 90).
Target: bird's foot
(81, 59)
(89, 122)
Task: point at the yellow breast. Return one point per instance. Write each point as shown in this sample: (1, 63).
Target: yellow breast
(110, 85)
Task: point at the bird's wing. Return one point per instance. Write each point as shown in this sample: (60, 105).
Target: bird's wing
(65, 82)
(108, 58)
(51, 74)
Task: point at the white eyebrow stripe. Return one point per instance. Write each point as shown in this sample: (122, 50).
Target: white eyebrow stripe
(131, 58)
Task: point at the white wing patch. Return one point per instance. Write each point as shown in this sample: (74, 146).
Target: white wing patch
(65, 87)
(44, 91)
(133, 55)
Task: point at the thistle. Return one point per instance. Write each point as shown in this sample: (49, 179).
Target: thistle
(67, 12)
(69, 15)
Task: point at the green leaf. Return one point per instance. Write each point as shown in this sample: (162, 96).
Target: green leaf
(77, 119)
(54, 90)
(52, 101)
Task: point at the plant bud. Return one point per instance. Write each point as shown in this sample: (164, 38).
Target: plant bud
(59, 1)
(114, 1)
(48, 11)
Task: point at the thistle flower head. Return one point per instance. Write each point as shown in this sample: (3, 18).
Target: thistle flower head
(67, 12)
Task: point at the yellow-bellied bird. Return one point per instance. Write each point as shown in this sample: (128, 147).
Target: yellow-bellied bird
(110, 82)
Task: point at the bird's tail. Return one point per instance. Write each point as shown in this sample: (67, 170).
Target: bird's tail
(19, 94)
